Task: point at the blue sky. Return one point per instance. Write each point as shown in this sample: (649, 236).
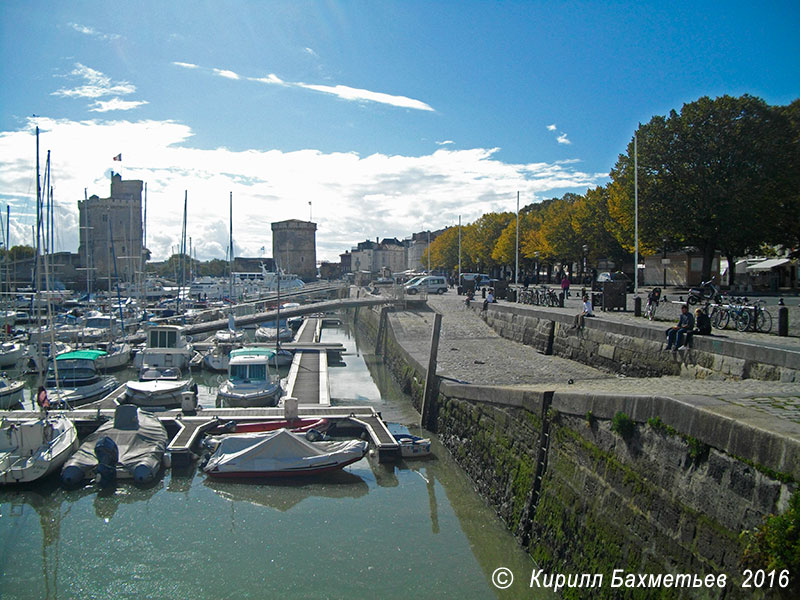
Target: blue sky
(390, 117)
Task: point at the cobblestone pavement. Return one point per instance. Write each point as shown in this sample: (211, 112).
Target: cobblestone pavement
(472, 352)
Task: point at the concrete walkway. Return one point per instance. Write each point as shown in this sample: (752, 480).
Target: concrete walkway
(471, 352)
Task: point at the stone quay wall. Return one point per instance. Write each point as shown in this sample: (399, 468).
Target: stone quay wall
(636, 350)
(671, 496)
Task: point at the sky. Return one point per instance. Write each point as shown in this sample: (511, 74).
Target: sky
(373, 119)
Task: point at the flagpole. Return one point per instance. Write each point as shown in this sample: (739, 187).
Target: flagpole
(635, 217)
(516, 254)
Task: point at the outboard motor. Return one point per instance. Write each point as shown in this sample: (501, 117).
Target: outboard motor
(107, 455)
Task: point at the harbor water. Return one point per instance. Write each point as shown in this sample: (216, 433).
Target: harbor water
(413, 529)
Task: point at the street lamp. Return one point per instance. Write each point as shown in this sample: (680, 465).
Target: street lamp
(664, 262)
(429, 251)
(583, 270)
(538, 267)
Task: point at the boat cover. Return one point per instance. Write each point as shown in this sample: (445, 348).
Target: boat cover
(140, 438)
(281, 452)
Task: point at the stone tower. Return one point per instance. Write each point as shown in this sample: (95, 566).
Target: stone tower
(294, 247)
(123, 212)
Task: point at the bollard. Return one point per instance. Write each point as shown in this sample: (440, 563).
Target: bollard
(783, 321)
(483, 292)
(561, 299)
(637, 307)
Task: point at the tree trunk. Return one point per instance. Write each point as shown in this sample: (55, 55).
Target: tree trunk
(708, 259)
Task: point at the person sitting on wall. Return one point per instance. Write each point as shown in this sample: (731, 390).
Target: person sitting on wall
(489, 299)
(586, 311)
(677, 335)
(470, 296)
(702, 323)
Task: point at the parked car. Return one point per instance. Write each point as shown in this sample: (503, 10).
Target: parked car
(480, 279)
(433, 284)
(615, 276)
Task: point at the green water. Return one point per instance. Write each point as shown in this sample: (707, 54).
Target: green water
(407, 530)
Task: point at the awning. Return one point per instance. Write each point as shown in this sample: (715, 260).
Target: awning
(766, 265)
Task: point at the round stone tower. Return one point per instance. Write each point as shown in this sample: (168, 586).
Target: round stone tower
(294, 247)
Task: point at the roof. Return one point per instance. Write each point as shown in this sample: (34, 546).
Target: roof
(766, 265)
(81, 355)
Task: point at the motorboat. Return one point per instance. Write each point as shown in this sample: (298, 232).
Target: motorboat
(11, 393)
(11, 353)
(295, 425)
(39, 353)
(270, 333)
(280, 453)
(159, 389)
(73, 378)
(412, 446)
(218, 357)
(250, 382)
(34, 448)
(118, 355)
(166, 348)
(140, 440)
(229, 336)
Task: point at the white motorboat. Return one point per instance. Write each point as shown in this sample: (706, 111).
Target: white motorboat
(118, 355)
(412, 446)
(10, 392)
(159, 388)
(250, 382)
(229, 336)
(34, 448)
(166, 348)
(270, 333)
(40, 353)
(11, 353)
(73, 379)
(280, 453)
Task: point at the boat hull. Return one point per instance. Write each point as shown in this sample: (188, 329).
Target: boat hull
(300, 472)
(42, 447)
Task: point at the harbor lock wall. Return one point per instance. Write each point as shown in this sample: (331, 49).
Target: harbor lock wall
(636, 350)
(671, 496)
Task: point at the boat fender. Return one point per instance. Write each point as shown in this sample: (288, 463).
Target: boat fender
(107, 455)
(312, 435)
(72, 475)
(143, 474)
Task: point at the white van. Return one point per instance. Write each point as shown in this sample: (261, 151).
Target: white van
(433, 284)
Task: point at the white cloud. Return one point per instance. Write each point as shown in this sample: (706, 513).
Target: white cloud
(96, 85)
(349, 93)
(309, 51)
(185, 65)
(93, 32)
(399, 193)
(342, 91)
(226, 73)
(116, 104)
(551, 127)
(562, 139)
(445, 143)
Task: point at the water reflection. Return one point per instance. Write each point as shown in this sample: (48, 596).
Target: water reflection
(282, 495)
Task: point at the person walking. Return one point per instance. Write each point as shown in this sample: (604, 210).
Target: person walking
(565, 286)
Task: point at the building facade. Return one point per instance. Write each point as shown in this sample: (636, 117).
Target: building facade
(294, 247)
(111, 231)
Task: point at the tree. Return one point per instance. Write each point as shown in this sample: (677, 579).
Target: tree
(592, 223)
(444, 250)
(478, 238)
(709, 177)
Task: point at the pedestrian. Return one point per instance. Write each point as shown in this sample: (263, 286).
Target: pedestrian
(42, 400)
(678, 334)
(565, 285)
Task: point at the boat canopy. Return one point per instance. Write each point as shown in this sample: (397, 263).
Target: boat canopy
(253, 351)
(81, 355)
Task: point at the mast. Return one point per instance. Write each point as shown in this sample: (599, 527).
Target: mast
(230, 252)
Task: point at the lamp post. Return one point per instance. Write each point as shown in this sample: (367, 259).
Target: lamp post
(664, 262)
(429, 251)
(583, 269)
(538, 267)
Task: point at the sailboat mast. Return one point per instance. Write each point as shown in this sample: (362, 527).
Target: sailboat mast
(230, 253)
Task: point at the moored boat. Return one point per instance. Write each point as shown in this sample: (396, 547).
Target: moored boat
(73, 379)
(250, 382)
(280, 453)
(412, 446)
(33, 448)
(159, 389)
(140, 440)
(11, 353)
(11, 394)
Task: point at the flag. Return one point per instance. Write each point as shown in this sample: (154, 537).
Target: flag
(118, 157)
